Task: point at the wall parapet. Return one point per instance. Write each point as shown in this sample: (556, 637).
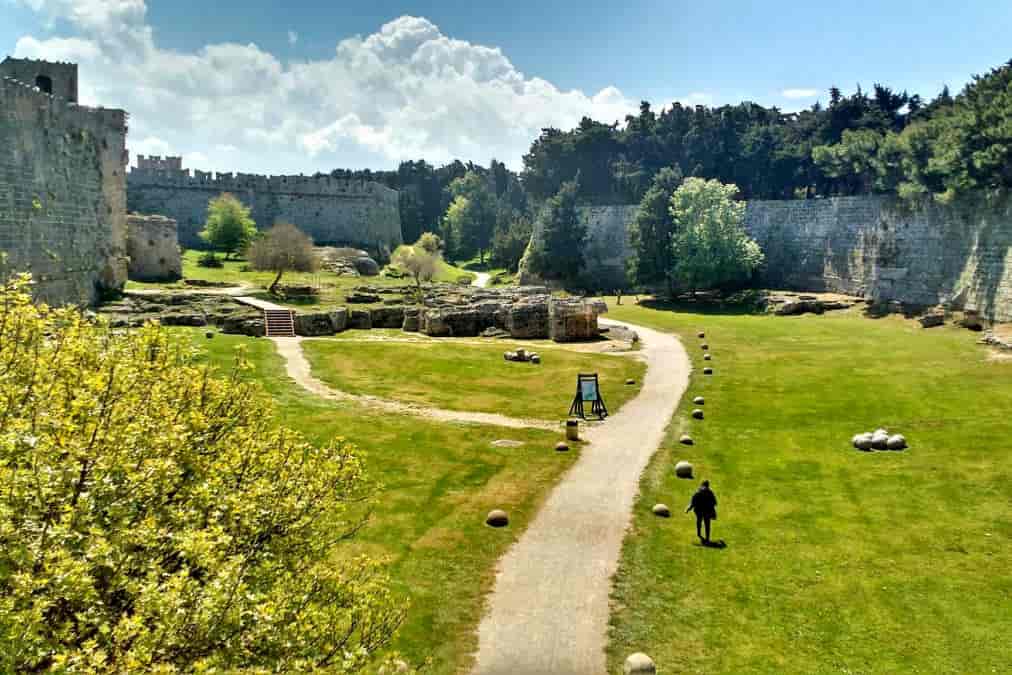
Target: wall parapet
(246, 182)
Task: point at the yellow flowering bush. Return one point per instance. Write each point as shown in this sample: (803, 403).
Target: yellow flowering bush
(154, 518)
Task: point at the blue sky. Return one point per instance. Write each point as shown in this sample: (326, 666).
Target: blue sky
(263, 86)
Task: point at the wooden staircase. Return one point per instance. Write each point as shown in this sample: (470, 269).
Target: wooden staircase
(280, 322)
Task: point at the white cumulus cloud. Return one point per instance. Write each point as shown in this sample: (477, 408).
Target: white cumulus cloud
(799, 93)
(407, 91)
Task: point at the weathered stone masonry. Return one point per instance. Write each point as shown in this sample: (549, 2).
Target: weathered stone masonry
(62, 186)
(876, 247)
(153, 248)
(873, 246)
(332, 211)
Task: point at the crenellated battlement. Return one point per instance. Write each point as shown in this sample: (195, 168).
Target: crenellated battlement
(342, 211)
(247, 182)
(21, 98)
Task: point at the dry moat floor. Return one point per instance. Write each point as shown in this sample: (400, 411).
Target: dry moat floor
(836, 560)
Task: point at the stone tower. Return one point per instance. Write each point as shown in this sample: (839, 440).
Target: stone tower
(57, 79)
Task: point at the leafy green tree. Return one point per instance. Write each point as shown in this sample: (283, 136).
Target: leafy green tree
(155, 518)
(283, 248)
(710, 247)
(473, 229)
(650, 231)
(420, 260)
(229, 227)
(511, 239)
(557, 247)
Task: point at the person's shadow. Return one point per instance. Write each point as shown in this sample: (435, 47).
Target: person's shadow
(720, 543)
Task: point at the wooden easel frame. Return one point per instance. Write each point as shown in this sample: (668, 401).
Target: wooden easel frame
(597, 406)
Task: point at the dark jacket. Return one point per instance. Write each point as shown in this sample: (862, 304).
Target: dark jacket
(704, 503)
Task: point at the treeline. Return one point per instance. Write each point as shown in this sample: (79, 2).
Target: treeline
(878, 141)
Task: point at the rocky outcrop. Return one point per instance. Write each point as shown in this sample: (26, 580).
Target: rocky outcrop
(184, 309)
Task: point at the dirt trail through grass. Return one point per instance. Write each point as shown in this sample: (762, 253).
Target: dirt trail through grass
(481, 279)
(299, 370)
(548, 612)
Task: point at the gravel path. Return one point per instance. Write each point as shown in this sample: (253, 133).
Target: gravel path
(298, 369)
(548, 611)
(481, 279)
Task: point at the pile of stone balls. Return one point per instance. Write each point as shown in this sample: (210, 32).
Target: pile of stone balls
(522, 356)
(880, 439)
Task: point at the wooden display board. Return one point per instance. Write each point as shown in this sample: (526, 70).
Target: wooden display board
(588, 390)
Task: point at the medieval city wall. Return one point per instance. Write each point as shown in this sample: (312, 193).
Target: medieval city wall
(153, 248)
(62, 194)
(874, 246)
(364, 214)
(878, 247)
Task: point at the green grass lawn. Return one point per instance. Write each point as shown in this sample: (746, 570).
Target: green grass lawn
(836, 560)
(462, 375)
(440, 480)
(333, 289)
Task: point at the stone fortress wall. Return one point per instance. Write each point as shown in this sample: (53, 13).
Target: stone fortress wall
(873, 246)
(153, 248)
(62, 185)
(359, 213)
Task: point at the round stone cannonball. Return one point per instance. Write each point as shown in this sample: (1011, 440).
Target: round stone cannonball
(862, 441)
(209, 334)
(706, 357)
(896, 442)
(683, 469)
(497, 518)
(704, 346)
(661, 510)
(535, 358)
(879, 439)
(639, 664)
(701, 335)
(699, 400)
(686, 440)
(707, 371)
(630, 381)
(697, 414)
(561, 447)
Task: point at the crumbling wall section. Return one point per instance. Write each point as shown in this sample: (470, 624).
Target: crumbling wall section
(62, 194)
(153, 248)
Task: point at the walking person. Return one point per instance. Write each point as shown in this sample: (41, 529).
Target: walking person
(704, 503)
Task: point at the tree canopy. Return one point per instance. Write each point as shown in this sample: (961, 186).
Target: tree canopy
(556, 249)
(154, 516)
(281, 249)
(229, 227)
(709, 248)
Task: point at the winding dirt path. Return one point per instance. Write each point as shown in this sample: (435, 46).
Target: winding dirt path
(297, 367)
(481, 279)
(548, 611)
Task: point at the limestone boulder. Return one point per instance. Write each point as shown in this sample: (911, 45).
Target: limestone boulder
(314, 324)
(879, 439)
(683, 469)
(561, 446)
(366, 266)
(411, 320)
(699, 400)
(896, 442)
(707, 371)
(661, 510)
(497, 518)
(639, 664)
(360, 319)
(862, 441)
(685, 439)
(697, 414)
(931, 320)
(388, 317)
(706, 357)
